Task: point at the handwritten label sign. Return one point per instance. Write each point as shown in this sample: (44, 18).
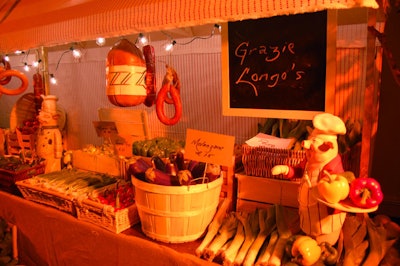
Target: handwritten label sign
(278, 64)
(209, 147)
(105, 129)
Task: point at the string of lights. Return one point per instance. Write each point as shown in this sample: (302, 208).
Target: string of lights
(141, 41)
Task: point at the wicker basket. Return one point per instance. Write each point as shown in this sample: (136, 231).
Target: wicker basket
(106, 216)
(258, 161)
(176, 214)
(9, 178)
(60, 201)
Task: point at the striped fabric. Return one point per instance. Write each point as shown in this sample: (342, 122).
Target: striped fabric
(53, 22)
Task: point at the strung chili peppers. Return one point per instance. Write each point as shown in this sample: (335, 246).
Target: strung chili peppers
(365, 192)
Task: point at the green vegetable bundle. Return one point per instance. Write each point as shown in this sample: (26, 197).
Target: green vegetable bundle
(161, 146)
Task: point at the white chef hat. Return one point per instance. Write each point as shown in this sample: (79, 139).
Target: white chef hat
(328, 124)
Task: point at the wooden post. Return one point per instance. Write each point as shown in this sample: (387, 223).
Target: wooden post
(371, 98)
(45, 70)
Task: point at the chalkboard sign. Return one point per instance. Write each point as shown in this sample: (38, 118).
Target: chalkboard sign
(282, 67)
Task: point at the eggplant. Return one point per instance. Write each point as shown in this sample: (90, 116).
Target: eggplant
(180, 160)
(158, 163)
(185, 177)
(158, 177)
(213, 171)
(171, 169)
(138, 168)
(191, 165)
(197, 169)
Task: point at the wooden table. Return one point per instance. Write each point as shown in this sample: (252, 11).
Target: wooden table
(47, 236)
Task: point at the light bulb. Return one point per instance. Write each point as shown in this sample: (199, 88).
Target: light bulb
(76, 53)
(36, 63)
(26, 67)
(170, 46)
(218, 27)
(100, 41)
(143, 39)
(7, 58)
(53, 80)
(18, 52)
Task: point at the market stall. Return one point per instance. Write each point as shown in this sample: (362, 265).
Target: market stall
(189, 80)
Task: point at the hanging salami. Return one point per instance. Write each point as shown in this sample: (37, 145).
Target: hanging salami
(150, 79)
(169, 94)
(7, 66)
(125, 71)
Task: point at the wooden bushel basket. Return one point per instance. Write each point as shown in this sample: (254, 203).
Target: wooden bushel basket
(176, 214)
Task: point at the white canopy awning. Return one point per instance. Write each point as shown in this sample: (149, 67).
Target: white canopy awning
(31, 24)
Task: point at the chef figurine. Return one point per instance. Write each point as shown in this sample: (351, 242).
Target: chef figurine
(49, 139)
(316, 219)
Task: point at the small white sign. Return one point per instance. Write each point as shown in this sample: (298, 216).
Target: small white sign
(265, 140)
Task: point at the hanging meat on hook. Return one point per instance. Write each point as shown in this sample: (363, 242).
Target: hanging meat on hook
(38, 90)
(125, 70)
(6, 74)
(7, 66)
(169, 94)
(150, 78)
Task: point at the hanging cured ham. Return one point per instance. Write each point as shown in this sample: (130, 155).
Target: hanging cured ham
(125, 70)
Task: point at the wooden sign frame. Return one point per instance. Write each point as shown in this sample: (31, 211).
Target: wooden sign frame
(265, 111)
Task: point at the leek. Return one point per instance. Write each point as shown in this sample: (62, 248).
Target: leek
(267, 224)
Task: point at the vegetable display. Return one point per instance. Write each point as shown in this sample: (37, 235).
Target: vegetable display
(365, 192)
(275, 240)
(77, 183)
(160, 146)
(119, 196)
(172, 171)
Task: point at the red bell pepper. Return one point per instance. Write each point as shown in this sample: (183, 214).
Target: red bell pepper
(365, 192)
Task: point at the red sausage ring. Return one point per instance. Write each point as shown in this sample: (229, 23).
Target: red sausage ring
(7, 66)
(14, 73)
(173, 79)
(161, 99)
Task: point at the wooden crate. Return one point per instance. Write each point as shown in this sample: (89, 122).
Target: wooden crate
(9, 178)
(14, 147)
(106, 216)
(260, 191)
(131, 125)
(112, 165)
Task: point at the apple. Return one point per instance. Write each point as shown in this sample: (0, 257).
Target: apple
(333, 187)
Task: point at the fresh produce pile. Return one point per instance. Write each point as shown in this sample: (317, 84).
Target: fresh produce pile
(6, 245)
(172, 171)
(15, 164)
(298, 130)
(74, 182)
(160, 146)
(287, 128)
(119, 197)
(104, 149)
(271, 236)
(363, 192)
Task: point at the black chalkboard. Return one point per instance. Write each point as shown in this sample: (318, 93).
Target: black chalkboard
(278, 63)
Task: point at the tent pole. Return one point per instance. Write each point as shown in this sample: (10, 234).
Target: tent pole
(45, 71)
